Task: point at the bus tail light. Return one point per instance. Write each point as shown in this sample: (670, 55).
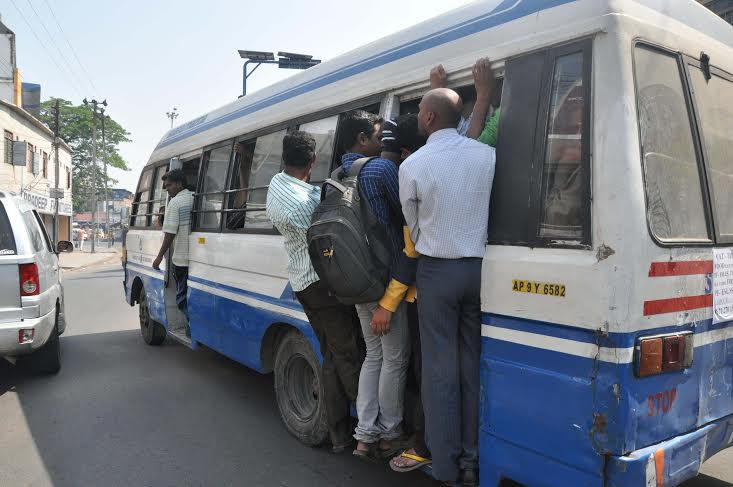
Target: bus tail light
(667, 353)
(30, 285)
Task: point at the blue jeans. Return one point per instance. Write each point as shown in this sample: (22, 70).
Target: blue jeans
(180, 274)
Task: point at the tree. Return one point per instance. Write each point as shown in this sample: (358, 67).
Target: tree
(75, 128)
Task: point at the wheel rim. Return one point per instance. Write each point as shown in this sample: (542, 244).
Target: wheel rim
(303, 388)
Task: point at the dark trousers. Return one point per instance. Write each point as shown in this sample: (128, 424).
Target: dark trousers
(337, 328)
(414, 414)
(180, 274)
(449, 307)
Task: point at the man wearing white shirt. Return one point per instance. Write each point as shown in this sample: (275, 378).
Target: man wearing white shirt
(445, 189)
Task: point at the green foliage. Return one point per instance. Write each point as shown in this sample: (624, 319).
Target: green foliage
(75, 128)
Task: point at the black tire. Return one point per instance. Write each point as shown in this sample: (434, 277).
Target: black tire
(152, 331)
(47, 359)
(299, 390)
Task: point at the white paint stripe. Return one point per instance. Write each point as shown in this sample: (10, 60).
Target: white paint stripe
(561, 345)
(713, 336)
(651, 472)
(249, 301)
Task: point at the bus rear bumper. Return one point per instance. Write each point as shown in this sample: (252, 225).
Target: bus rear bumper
(673, 461)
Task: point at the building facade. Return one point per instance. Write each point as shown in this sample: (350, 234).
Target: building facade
(724, 8)
(28, 166)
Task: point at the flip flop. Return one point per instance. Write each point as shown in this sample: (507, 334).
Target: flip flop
(421, 462)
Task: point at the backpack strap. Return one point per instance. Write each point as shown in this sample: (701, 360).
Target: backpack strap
(358, 165)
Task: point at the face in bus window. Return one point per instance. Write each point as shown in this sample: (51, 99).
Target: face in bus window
(373, 145)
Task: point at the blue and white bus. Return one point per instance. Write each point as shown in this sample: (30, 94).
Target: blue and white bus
(607, 354)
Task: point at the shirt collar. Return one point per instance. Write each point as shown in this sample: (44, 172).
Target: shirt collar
(349, 158)
(297, 181)
(442, 134)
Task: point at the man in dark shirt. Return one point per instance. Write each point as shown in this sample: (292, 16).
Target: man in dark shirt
(379, 403)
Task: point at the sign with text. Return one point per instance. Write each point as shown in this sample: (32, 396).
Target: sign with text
(47, 205)
(722, 285)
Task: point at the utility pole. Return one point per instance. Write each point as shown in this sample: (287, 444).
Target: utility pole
(106, 189)
(56, 155)
(173, 114)
(95, 222)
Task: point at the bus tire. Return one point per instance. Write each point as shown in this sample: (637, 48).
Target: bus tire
(299, 390)
(152, 331)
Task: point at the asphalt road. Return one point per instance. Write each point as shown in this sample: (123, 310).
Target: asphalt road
(121, 413)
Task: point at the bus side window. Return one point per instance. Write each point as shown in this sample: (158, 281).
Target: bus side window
(210, 201)
(157, 206)
(266, 162)
(324, 131)
(541, 191)
(675, 207)
(238, 184)
(142, 197)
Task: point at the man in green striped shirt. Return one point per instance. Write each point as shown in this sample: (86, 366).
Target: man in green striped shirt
(291, 201)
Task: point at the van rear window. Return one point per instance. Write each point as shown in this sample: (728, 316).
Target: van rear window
(7, 241)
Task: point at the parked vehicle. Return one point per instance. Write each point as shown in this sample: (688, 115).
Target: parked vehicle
(606, 349)
(31, 295)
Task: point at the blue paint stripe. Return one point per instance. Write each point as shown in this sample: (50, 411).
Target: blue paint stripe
(140, 266)
(585, 335)
(500, 15)
(242, 292)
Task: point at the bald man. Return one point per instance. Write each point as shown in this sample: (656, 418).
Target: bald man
(445, 189)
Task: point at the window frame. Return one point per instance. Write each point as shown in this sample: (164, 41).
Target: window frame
(709, 195)
(199, 194)
(696, 139)
(528, 235)
(157, 173)
(8, 153)
(135, 208)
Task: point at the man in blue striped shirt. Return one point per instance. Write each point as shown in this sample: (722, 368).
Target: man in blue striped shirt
(383, 323)
(291, 201)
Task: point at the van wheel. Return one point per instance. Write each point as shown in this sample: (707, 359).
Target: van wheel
(152, 331)
(47, 359)
(299, 390)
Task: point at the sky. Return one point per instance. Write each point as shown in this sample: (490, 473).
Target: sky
(147, 57)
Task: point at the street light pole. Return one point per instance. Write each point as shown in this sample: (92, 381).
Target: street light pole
(95, 223)
(106, 189)
(173, 114)
(286, 60)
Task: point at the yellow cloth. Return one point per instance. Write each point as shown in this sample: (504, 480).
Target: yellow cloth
(397, 291)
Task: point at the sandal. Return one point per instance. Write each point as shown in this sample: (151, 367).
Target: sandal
(369, 454)
(421, 462)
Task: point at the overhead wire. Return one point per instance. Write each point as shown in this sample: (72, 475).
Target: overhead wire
(43, 45)
(71, 47)
(51, 37)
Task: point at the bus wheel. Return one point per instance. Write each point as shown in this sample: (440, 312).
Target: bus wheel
(299, 390)
(153, 332)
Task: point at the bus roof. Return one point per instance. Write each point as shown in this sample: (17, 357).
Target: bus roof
(359, 65)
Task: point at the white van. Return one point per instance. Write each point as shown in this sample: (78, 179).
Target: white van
(31, 295)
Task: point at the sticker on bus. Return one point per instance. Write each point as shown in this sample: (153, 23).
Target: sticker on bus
(542, 288)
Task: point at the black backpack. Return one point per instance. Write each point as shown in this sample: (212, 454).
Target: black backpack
(348, 246)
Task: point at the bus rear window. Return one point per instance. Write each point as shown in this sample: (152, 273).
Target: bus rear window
(675, 207)
(7, 241)
(714, 99)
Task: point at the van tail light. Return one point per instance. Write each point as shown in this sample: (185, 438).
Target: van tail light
(30, 285)
(666, 353)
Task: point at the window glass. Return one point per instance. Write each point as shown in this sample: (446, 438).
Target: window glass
(33, 231)
(46, 237)
(212, 199)
(157, 207)
(239, 182)
(563, 178)
(8, 147)
(7, 241)
(140, 205)
(324, 131)
(674, 192)
(265, 164)
(715, 107)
